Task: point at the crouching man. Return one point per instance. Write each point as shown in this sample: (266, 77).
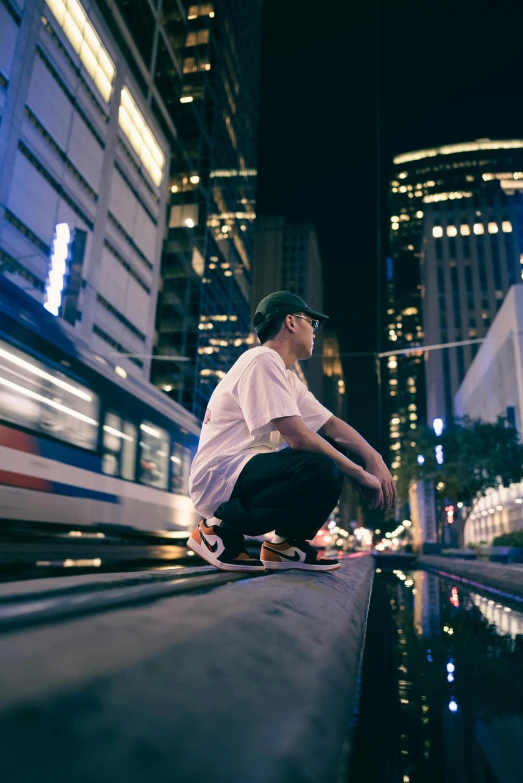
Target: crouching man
(262, 463)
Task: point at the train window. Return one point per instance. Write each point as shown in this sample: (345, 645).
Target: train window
(119, 446)
(39, 397)
(154, 460)
(180, 467)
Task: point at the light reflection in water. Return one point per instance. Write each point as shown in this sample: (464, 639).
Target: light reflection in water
(446, 702)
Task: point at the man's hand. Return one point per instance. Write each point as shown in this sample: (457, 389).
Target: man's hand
(377, 467)
(371, 489)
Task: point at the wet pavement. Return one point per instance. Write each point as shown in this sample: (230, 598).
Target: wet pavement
(441, 696)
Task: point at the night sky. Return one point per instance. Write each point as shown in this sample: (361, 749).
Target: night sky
(449, 72)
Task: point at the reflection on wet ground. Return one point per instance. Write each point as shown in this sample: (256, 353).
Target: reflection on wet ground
(442, 685)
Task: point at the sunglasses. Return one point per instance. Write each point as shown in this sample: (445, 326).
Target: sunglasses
(313, 321)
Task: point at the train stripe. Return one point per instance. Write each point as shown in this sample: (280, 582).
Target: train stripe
(11, 479)
(49, 449)
(80, 492)
(27, 482)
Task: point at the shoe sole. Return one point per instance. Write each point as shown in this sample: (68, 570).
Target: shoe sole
(208, 557)
(272, 565)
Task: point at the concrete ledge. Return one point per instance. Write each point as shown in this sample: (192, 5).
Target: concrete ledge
(251, 682)
(505, 578)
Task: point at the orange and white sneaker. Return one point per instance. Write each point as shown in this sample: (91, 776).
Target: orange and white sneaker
(222, 548)
(295, 553)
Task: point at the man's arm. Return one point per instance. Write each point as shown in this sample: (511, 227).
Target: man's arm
(301, 438)
(341, 432)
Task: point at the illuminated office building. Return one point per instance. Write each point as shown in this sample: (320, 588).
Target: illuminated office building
(83, 156)
(470, 258)
(449, 184)
(492, 390)
(288, 258)
(134, 123)
(204, 312)
(334, 397)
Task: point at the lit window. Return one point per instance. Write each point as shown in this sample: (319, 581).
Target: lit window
(38, 397)
(506, 226)
(403, 189)
(192, 65)
(464, 230)
(203, 9)
(185, 215)
(119, 447)
(154, 456)
(437, 231)
(197, 37)
(180, 468)
(403, 175)
(493, 228)
(479, 228)
(419, 214)
(85, 41)
(395, 226)
(452, 231)
(142, 140)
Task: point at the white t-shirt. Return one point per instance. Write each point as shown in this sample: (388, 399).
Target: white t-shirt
(238, 423)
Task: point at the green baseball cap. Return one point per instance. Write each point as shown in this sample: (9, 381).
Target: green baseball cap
(282, 303)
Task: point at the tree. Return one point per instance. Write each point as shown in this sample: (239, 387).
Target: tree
(477, 455)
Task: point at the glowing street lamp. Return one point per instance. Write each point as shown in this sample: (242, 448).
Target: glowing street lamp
(437, 426)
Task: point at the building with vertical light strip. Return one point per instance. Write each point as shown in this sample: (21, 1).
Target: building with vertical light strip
(443, 188)
(83, 156)
(137, 125)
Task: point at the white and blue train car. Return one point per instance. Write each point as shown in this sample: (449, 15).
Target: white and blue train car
(81, 446)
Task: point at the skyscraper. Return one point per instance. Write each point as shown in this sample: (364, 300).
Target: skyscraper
(457, 176)
(83, 157)
(471, 257)
(288, 258)
(204, 308)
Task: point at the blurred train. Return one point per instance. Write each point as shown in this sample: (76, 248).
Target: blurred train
(81, 445)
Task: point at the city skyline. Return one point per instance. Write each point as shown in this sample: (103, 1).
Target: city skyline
(318, 136)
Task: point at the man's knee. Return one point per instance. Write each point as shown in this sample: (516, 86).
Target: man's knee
(324, 467)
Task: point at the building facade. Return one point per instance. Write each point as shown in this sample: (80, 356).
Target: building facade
(470, 259)
(83, 157)
(204, 315)
(334, 397)
(133, 126)
(288, 258)
(492, 389)
(423, 184)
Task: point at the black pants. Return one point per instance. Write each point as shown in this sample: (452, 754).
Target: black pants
(290, 491)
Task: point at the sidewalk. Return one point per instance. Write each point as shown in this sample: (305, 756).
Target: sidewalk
(252, 681)
(508, 579)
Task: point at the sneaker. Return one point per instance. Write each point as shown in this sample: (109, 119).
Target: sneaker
(294, 553)
(222, 548)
